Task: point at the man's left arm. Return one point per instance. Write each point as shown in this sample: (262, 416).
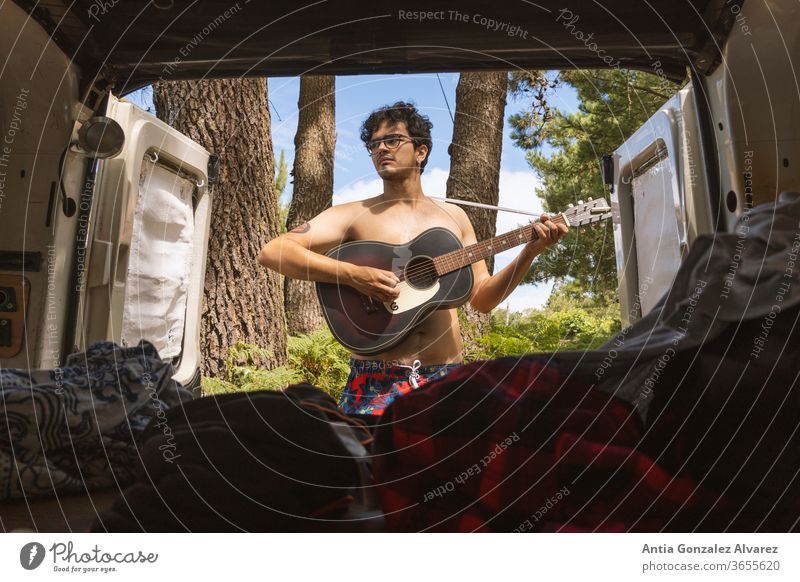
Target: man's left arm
(488, 290)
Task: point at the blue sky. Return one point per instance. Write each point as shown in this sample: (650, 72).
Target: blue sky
(354, 176)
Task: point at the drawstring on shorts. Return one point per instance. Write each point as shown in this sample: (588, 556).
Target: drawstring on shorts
(413, 376)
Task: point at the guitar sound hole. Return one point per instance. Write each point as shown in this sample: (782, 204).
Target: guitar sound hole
(420, 272)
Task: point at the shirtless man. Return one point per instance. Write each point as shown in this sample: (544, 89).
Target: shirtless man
(399, 141)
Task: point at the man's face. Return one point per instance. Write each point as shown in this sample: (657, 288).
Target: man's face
(400, 161)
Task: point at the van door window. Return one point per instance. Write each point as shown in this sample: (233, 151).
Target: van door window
(160, 260)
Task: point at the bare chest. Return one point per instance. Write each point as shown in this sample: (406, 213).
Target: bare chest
(401, 227)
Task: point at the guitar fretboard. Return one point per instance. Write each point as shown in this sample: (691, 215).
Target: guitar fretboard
(454, 260)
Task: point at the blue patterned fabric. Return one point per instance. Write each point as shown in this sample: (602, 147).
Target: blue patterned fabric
(374, 384)
(77, 428)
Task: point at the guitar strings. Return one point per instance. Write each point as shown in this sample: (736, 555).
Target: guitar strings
(429, 269)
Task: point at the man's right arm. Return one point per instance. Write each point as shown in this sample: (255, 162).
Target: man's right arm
(299, 254)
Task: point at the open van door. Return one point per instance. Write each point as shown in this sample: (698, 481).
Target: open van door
(149, 242)
(92, 249)
(660, 202)
(724, 143)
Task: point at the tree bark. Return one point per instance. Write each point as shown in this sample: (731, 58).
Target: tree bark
(312, 190)
(243, 302)
(475, 164)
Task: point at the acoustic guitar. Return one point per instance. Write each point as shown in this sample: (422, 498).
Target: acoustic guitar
(434, 271)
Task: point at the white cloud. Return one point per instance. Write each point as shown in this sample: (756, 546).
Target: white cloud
(517, 190)
(358, 191)
(528, 296)
(434, 181)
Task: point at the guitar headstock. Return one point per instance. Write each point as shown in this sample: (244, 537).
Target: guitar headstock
(586, 213)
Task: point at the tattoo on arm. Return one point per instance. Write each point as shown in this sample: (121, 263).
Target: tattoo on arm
(301, 228)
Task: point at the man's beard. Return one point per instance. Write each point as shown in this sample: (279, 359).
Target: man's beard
(396, 174)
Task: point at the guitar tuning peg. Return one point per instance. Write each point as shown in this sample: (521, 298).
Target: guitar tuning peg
(570, 205)
(580, 201)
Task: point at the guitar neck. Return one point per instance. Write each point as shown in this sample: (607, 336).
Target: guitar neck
(455, 260)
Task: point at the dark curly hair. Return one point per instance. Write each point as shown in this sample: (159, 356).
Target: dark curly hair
(419, 126)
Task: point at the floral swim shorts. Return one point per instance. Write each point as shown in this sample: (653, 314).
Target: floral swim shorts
(374, 384)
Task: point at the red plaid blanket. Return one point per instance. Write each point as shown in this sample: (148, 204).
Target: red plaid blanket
(511, 445)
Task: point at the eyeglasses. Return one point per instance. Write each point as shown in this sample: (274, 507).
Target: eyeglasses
(391, 142)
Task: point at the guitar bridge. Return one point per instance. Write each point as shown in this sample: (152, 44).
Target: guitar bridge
(370, 306)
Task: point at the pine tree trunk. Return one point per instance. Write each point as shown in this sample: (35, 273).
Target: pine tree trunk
(312, 190)
(475, 165)
(243, 302)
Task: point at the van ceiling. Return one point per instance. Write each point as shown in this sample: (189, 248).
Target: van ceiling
(135, 42)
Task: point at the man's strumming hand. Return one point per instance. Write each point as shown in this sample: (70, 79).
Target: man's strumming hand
(376, 283)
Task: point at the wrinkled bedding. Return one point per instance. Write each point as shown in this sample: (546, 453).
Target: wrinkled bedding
(77, 428)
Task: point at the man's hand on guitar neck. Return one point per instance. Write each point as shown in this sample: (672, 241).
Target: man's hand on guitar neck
(549, 234)
(490, 290)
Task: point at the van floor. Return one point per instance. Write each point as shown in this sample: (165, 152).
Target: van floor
(65, 513)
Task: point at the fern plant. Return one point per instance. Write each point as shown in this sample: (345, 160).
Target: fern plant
(316, 358)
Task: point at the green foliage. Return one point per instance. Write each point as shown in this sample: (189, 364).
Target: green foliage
(281, 178)
(497, 344)
(599, 302)
(283, 215)
(281, 175)
(613, 104)
(211, 386)
(316, 358)
(570, 321)
(529, 126)
(243, 373)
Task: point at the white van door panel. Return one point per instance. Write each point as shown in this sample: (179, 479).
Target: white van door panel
(149, 242)
(659, 242)
(660, 203)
